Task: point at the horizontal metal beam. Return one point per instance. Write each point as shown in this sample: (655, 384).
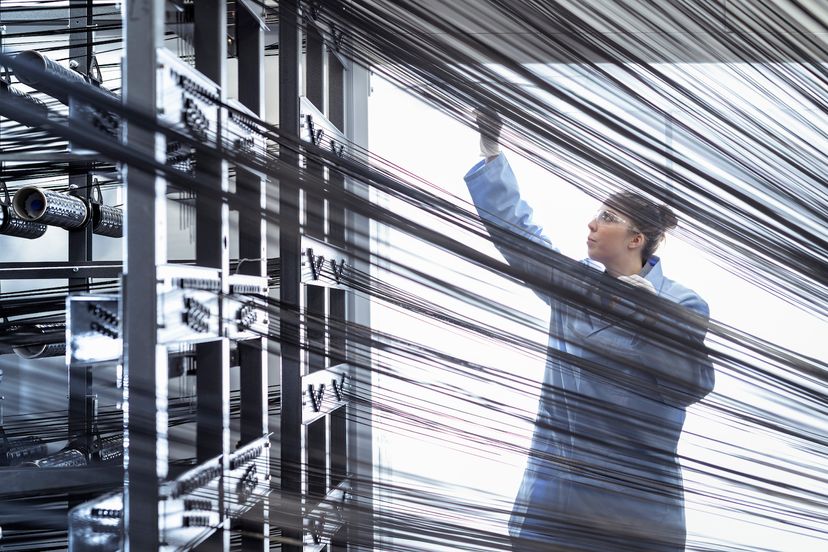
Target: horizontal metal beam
(29, 481)
(60, 270)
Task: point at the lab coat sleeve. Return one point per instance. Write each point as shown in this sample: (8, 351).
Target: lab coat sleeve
(495, 193)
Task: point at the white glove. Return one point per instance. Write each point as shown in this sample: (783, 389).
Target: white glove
(489, 124)
(639, 282)
(489, 147)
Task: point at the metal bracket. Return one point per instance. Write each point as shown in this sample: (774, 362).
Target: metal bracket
(337, 270)
(317, 396)
(339, 387)
(315, 134)
(257, 11)
(322, 263)
(316, 263)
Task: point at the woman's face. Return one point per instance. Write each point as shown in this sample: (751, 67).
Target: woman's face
(610, 235)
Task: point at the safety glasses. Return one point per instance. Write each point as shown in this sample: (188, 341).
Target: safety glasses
(608, 217)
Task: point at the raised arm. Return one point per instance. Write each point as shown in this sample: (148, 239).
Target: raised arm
(495, 193)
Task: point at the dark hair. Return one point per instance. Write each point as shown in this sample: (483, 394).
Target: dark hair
(650, 218)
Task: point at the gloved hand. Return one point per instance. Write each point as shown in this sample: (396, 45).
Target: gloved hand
(638, 281)
(489, 124)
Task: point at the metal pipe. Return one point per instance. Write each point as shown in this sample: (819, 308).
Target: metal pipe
(30, 70)
(67, 458)
(12, 225)
(14, 94)
(22, 449)
(110, 449)
(36, 340)
(107, 221)
(40, 350)
(53, 208)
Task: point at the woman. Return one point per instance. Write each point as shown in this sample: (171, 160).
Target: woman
(622, 367)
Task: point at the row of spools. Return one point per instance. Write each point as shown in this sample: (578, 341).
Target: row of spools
(33, 209)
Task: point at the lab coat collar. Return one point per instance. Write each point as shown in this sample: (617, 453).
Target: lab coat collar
(652, 272)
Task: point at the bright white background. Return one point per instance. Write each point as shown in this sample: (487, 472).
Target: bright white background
(434, 147)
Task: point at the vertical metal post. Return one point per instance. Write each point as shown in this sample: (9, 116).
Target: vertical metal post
(289, 252)
(317, 450)
(251, 192)
(145, 363)
(252, 229)
(315, 327)
(212, 240)
(337, 325)
(80, 241)
(358, 309)
(336, 182)
(80, 51)
(314, 69)
(315, 92)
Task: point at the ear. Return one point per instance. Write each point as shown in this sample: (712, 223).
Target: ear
(637, 241)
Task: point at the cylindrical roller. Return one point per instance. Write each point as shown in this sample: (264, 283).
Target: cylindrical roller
(12, 225)
(107, 221)
(110, 449)
(38, 71)
(68, 458)
(32, 65)
(25, 96)
(52, 208)
(23, 449)
(34, 335)
(44, 350)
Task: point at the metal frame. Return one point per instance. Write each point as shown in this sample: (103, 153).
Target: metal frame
(78, 270)
(318, 431)
(212, 234)
(145, 362)
(81, 405)
(290, 437)
(251, 189)
(326, 442)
